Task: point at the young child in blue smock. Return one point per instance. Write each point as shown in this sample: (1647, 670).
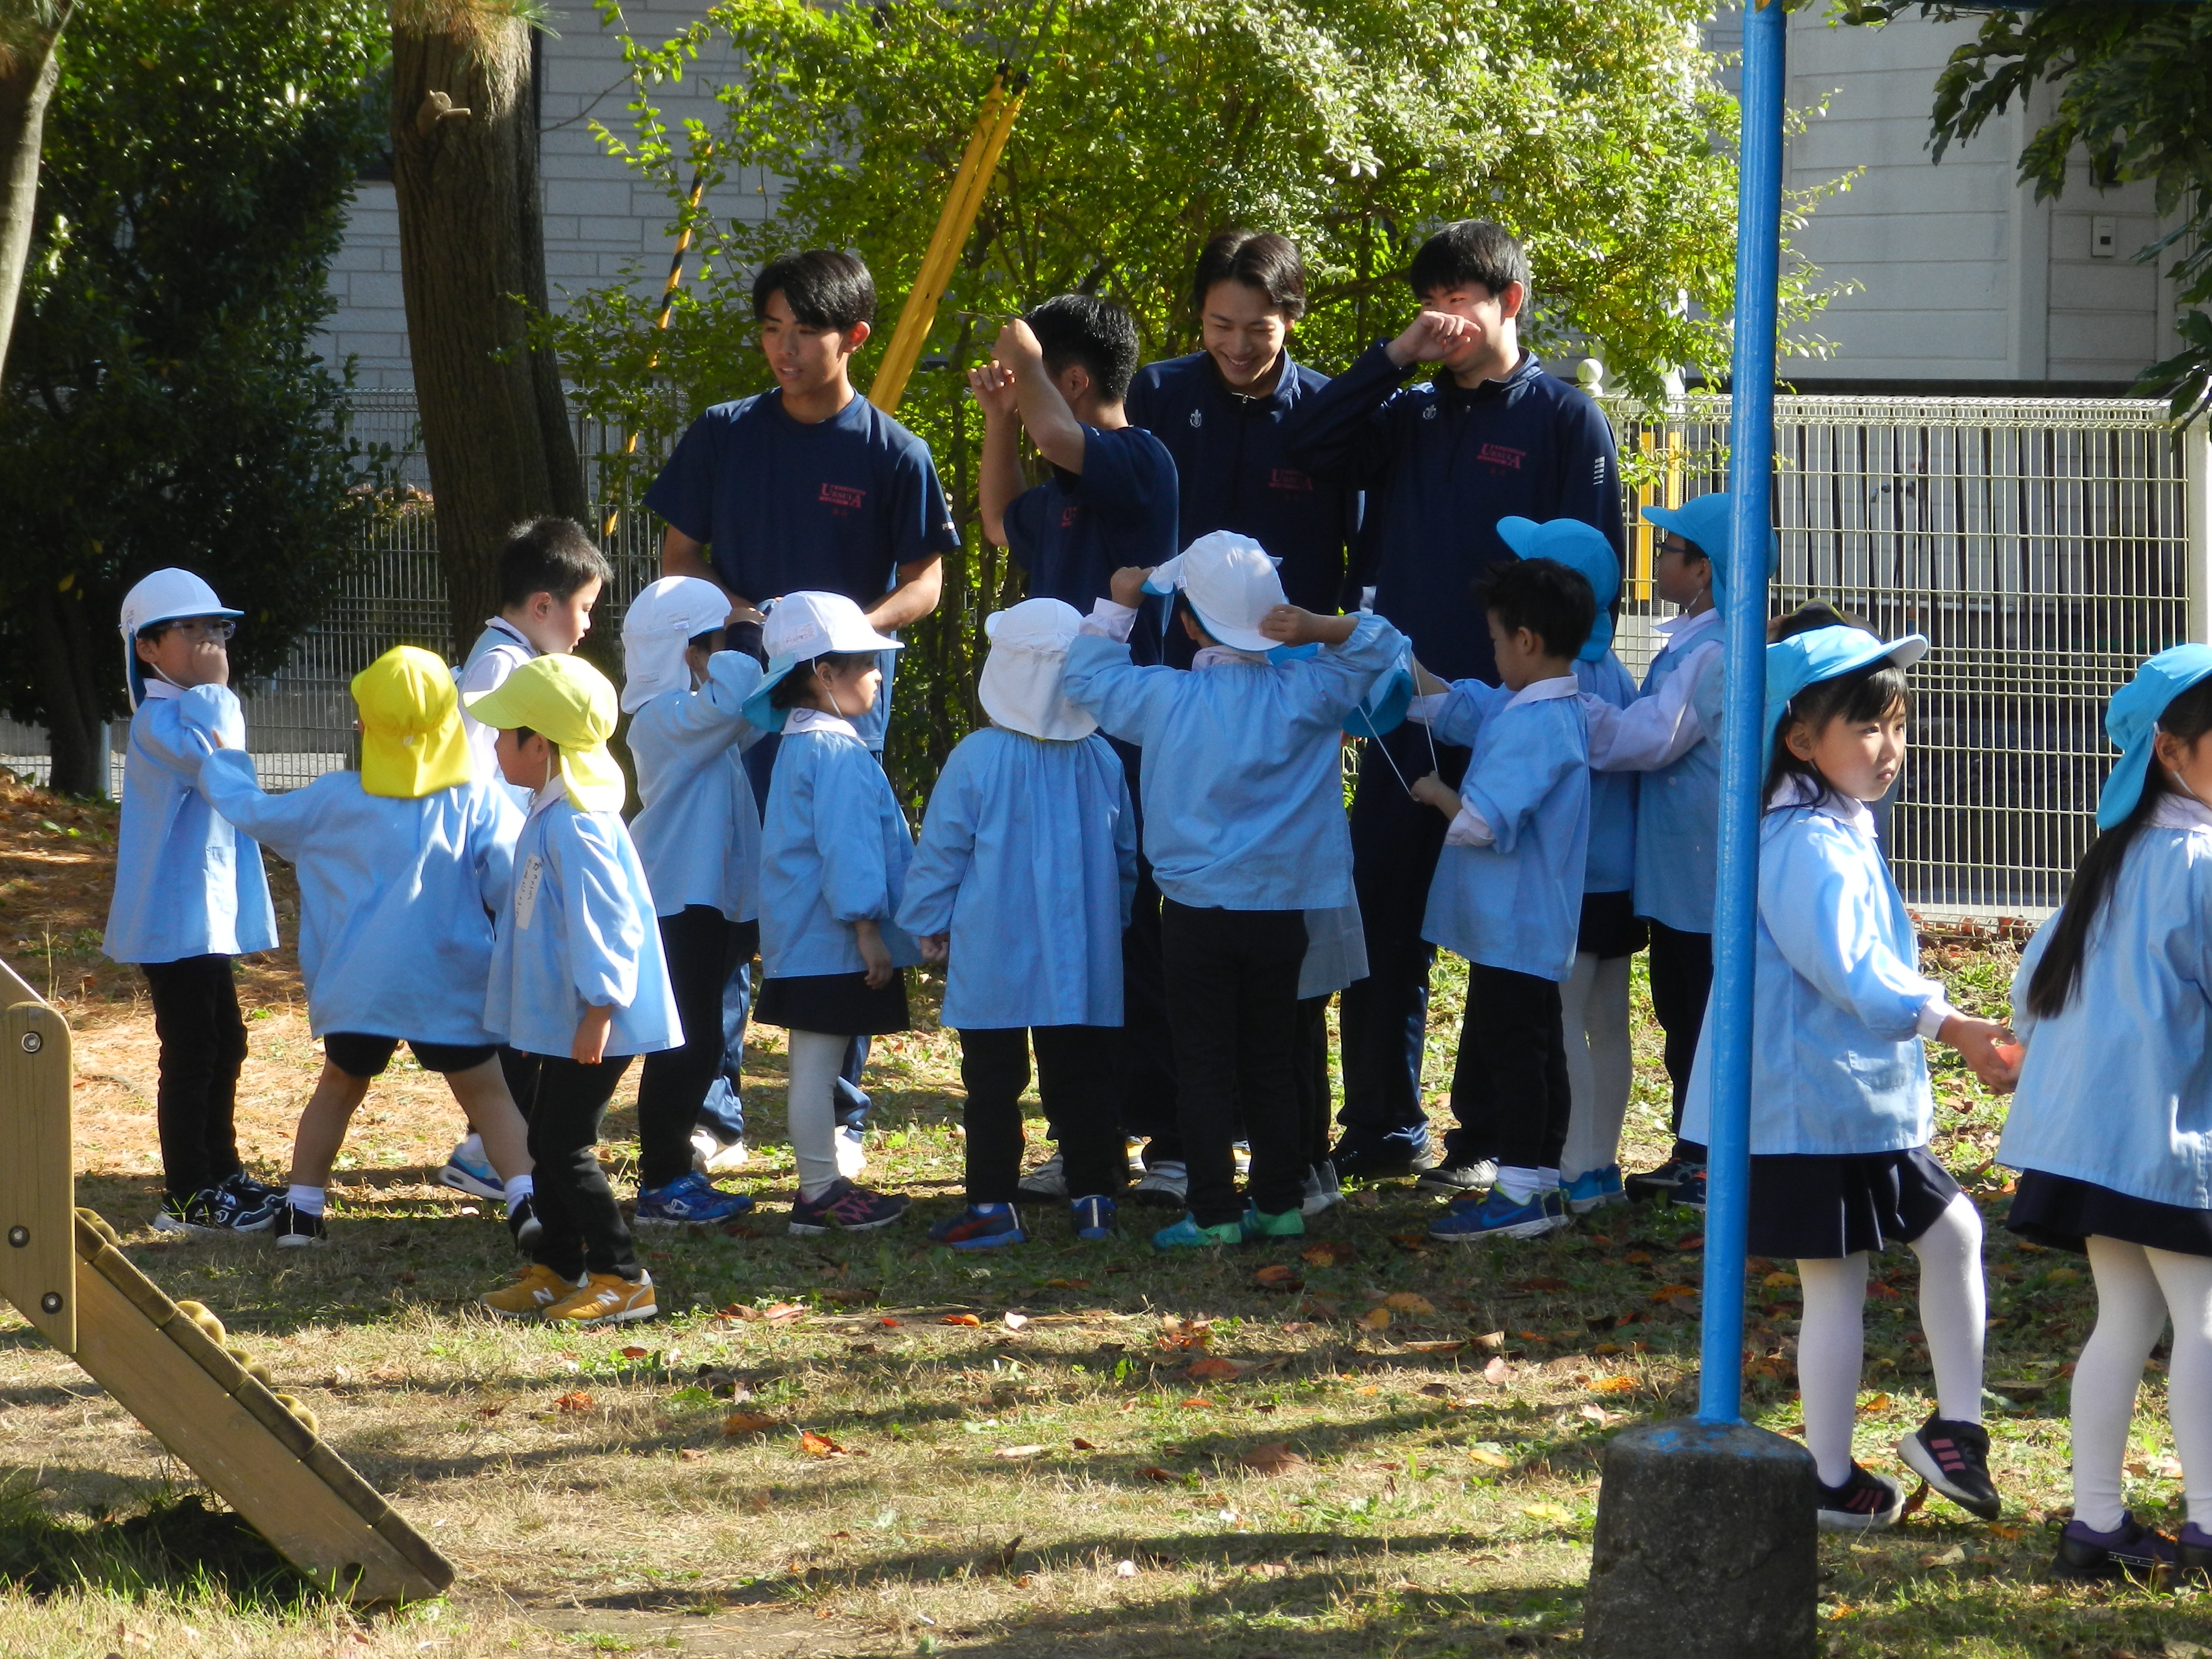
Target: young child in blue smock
(189, 898)
(1840, 1106)
(698, 836)
(1021, 886)
(577, 981)
(401, 867)
(835, 849)
(1243, 822)
(1507, 892)
(2111, 1129)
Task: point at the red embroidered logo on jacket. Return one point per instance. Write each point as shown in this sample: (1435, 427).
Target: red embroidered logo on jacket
(838, 495)
(1499, 455)
(1069, 514)
(1288, 477)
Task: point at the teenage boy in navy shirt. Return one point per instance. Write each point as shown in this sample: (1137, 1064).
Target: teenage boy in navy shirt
(1221, 411)
(808, 486)
(1491, 435)
(1061, 373)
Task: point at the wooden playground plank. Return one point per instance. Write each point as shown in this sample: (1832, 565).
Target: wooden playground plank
(37, 1263)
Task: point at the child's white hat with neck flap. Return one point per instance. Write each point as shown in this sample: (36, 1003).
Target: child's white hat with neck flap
(657, 629)
(1020, 685)
(1231, 582)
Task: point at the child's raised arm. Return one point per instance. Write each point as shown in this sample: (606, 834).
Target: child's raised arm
(1000, 478)
(1051, 424)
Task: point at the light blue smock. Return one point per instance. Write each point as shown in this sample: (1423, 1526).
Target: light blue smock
(833, 851)
(187, 882)
(2117, 1089)
(1516, 903)
(579, 932)
(1678, 807)
(1028, 858)
(1836, 1061)
(396, 896)
(698, 833)
(1611, 865)
(1243, 780)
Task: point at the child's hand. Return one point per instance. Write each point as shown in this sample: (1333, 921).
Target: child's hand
(935, 947)
(1432, 791)
(1293, 626)
(1983, 1043)
(874, 953)
(994, 386)
(590, 1046)
(1429, 339)
(1127, 586)
(1016, 347)
(1426, 684)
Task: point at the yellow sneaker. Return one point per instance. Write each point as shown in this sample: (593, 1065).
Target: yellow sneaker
(530, 1296)
(606, 1297)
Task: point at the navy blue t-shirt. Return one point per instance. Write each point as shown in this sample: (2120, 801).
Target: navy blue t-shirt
(1233, 472)
(1441, 465)
(1074, 531)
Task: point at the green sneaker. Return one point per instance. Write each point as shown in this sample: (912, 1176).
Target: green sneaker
(1258, 1223)
(1187, 1235)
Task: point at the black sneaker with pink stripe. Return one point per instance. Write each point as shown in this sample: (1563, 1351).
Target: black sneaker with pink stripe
(1954, 1459)
(1866, 1502)
(846, 1208)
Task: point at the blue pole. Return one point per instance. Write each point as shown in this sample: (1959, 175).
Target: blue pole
(1750, 471)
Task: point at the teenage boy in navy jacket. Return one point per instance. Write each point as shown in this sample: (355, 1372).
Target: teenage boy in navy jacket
(1061, 373)
(1491, 435)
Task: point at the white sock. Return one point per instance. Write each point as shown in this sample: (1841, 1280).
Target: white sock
(519, 1186)
(1593, 1006)
(471, 1151)
(2187, 1282)
(1953, 1306)
(1830, 1349)
(2130, 1313)
(308, 1200)
(1520, 1185)
(811, 1108)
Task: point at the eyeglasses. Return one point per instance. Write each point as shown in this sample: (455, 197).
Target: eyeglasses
(200, 627)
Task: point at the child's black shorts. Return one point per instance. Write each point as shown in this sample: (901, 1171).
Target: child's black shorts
(359, 1056)
(1610, 926)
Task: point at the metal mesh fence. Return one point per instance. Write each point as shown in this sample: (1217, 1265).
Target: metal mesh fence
(2041, 545)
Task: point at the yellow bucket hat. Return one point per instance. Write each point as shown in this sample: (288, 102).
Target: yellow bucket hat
(573, 706)
(411, 741)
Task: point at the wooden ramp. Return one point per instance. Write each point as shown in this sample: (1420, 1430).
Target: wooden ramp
(60, 1267)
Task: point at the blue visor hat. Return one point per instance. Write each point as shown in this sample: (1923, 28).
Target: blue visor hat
(2131, 722)
(1705, 520)
(1583, 550)
(1825, 653)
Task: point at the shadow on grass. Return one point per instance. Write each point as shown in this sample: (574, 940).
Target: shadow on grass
(175, 1547)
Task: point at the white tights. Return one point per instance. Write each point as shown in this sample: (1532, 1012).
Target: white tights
(1831, 1342)
(1594, 1009)
(2136, 1288)
(812, 1108)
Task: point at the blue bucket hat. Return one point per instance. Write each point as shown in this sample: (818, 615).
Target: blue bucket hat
(1703, 521)
(1583, 549)
(1824, 654)
(2131, 722)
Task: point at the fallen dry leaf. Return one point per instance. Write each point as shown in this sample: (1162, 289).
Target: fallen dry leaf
(1068, 1284)
(1278, 1277)
(577, 1401)
(1014, 1321)
(1412, 1243)
(1376, 1319)
(1557, 1514)
(1950, 1558)
(1496, 1372)
(1492, 1339)
(635, 1352)
(1081, 1444)
(1018, 1451)
(1545, 1282)
(962, 1319)
(1875, 1403)
(1197, 1402)
(1409, 1302)
(1211, 1369)
(1778, 1280)
(1623, 1384)
(1153, 1473)
(1490, 1456)
(819, 1445)
(1272, 1457)
(691, 1454)
(1331, 1252)
(888, 1323)
(1669, 1293)
(783, 1312)
(737, 1423)
(1434, 1347)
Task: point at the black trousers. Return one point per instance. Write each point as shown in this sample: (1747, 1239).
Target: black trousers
(1232, 982)
(1145, 1052)
(1681, 980)
(1309, 1078)
(203, 1038)
(1509, 1082)
(703, 948)
(1075, 1078)
(584, 1227)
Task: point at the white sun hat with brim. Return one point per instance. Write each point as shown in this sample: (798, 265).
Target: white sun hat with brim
(165, 596)
(801, 627)
(661, 621)
(1020, 687)
(1231, 582)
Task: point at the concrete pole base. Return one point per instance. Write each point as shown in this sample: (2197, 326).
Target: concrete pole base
(1706, 1547)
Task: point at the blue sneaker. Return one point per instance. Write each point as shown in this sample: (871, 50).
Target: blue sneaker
(980, 1227)
(468, 1171)
(690, 1197)
(1593, 1190)
(1497, 1215)
(1187, 1235)
(1690, 1189)
(1092, 1218)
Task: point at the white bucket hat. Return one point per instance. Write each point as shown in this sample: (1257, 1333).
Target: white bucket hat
(164, 596)
(1231, 582)
(661, 621)
(801, 627)
(1020, 685)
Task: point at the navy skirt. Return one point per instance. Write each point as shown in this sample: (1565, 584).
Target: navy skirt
(1610, 926)
(835, 1004)
(2065, 1213)
(1825, 1206)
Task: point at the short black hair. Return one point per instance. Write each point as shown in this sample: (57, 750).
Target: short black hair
(824, 287)
(1082, 328)
(1554, 601)
(1471, 251)
(1259, 260)
(785, 693)
(548, 556)
(1814, 613)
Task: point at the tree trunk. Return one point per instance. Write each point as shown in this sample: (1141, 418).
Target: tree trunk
(464, 163)
(68, 685)
(30, 60)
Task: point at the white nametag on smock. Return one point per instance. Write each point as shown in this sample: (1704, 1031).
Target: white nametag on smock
(526, 891)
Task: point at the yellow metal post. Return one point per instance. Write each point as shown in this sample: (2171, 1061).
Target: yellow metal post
(668, 305)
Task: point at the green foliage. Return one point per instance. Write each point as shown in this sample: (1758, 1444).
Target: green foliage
(164, 405)
(1597, 133)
